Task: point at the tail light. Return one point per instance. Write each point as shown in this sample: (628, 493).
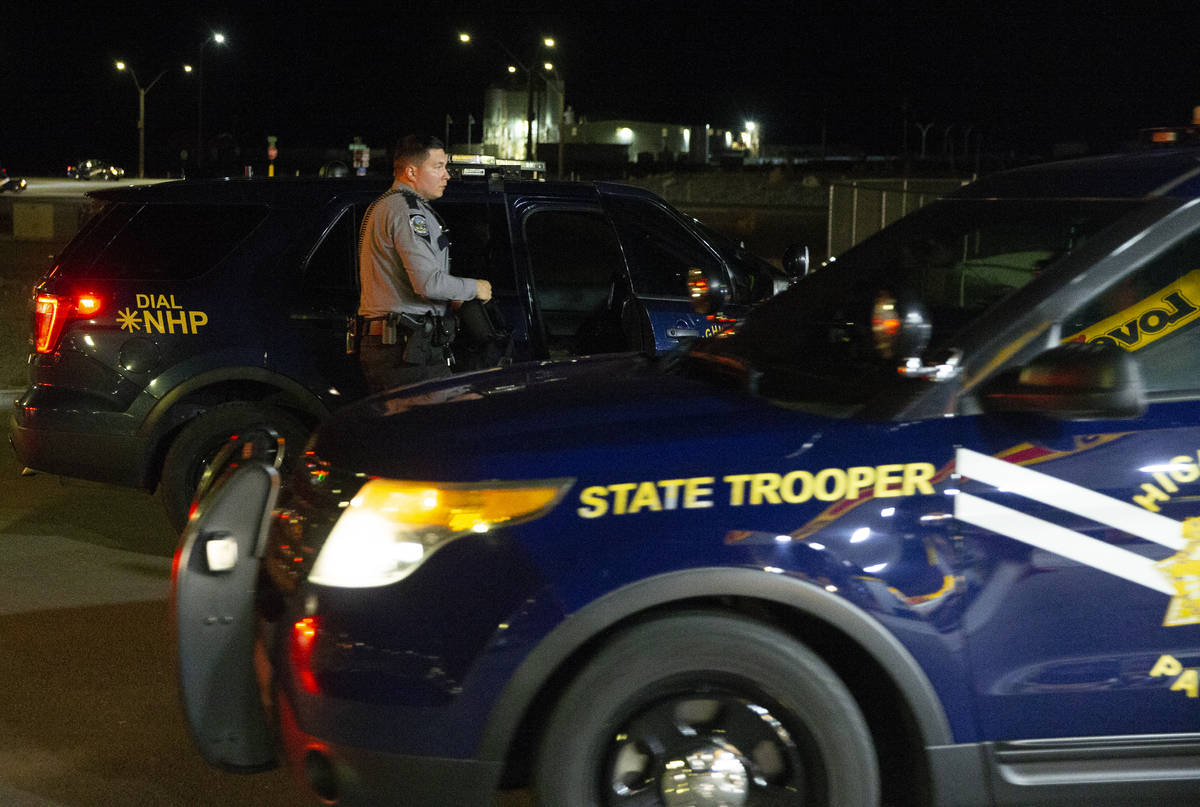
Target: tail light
(303, 644)
(51, 312)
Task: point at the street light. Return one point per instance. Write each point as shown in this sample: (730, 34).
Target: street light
(141, 124)
(547, 42)
(219, 38)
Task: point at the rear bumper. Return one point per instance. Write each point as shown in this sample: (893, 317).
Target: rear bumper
(98, 446)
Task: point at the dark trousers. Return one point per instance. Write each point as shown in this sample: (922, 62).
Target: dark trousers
(388, 366)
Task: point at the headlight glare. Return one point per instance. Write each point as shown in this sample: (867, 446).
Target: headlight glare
(392, 526)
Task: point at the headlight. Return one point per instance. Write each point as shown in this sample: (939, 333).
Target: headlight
(392, 526)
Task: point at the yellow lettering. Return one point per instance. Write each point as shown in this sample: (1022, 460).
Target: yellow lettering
(143, 300)
(179, 319)
(887, 480)
(595, 505)
(1166, 665)
(857, 478)
(671, 490)
(764, 487)
(1187, 471)
(173, 305)
(737, 488)
(645, 497)
(1189, 682)
(198, 318)
(917, 476)
(694, 489)
(1165, 483)
(1148, 499)
(621, 496)
(787, 488)
(822, 487)
(155, 318)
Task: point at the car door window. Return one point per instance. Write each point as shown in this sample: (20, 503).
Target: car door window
(479, 244)
(660, 249)
(331, 272)
(575, 262)
(1153, 313)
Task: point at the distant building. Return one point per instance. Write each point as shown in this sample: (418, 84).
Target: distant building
(509, 111)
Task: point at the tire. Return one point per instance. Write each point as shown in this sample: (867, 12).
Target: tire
(203, 436)
(724, 705)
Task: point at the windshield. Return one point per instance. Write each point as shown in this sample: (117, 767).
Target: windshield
(957, 257)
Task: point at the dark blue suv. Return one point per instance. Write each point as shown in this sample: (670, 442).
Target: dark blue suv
(925, 530)
(184, 312)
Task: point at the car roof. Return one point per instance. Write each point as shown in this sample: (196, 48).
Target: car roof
(308, 191)
(1135, 175)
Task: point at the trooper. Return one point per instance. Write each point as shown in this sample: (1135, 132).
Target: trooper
(404, 313)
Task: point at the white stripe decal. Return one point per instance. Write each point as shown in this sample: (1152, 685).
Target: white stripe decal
(1070, 497)
(1061, 541)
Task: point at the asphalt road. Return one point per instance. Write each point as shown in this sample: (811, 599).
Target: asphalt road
(88, 707)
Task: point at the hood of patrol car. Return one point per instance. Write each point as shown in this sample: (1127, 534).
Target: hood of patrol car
(551, 419)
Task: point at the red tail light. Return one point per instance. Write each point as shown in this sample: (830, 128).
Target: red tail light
(303, 643)
(51, 312)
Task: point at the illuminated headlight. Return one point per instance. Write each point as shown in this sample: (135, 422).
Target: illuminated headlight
(390, 528)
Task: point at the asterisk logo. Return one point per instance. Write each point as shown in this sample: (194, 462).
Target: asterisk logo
(128, 320)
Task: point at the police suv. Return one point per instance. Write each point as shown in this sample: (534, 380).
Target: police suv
(924, 530)
(184, 312)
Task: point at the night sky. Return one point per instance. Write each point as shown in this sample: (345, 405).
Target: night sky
(317, 75)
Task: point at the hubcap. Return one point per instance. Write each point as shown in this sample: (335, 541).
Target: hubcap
(718, 750)
(711, 776)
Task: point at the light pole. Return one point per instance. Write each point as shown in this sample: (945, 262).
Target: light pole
(561, 87)
(220, 40)
(547, 42)
(141, 124)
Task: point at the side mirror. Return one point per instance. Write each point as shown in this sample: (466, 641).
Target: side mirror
(709, 293)
(1074, 381)
(796, 261)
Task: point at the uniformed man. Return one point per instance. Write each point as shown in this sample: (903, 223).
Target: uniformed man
(404, 268)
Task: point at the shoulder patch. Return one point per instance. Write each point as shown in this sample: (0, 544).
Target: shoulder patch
(419, 225)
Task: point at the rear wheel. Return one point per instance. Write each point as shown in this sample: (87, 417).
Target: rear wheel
(200, 440)
(706, 709)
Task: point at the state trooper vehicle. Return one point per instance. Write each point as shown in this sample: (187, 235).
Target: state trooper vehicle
(923, 531)
(186, 311)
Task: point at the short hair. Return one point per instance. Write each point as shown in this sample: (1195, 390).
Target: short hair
(413, 149)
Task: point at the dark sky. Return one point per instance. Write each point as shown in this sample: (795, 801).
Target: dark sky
(319, 74)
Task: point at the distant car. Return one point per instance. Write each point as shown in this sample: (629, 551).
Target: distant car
(8, 183)
(95, 169)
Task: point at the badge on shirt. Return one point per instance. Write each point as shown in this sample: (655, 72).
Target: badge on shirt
(419, 225)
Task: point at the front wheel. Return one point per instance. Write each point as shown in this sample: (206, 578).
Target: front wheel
(200, 440)
(706, 709)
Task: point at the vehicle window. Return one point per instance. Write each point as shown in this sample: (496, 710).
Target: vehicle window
(574, 262)
(168, 241)
(333, 265)
(660, 249)
(1153, 313)
(100, 228)
(479, 245)
(959, 257)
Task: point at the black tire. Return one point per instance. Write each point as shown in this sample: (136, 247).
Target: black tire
(667, 698)
(203, 436)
